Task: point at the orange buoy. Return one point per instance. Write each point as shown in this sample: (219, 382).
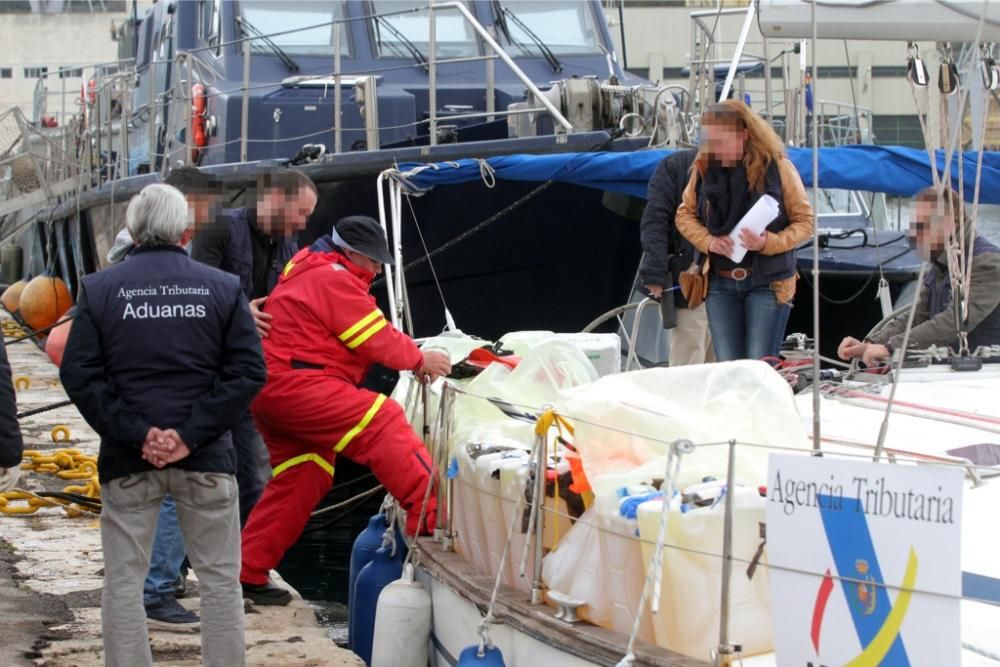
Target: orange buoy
(43, 301)
(55, 343)
(11, 297)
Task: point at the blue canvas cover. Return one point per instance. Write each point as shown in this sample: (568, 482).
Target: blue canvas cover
(894, 170)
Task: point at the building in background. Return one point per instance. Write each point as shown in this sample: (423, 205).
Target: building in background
(658, 42)
(50, 48)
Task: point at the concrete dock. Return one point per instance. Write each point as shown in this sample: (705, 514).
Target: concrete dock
(51, 565)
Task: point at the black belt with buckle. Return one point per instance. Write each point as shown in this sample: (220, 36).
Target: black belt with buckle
(737, 274)
(305, 366)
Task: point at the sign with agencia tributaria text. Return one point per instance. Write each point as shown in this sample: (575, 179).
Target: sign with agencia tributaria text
(864, 562)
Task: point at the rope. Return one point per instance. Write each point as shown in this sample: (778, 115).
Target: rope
(702, 445)
(68, 464)
(980, 651)
(884, 429)
(44, 408)
(434, 472)
(493, 218)
(487, 173)
(545, 421)
(17, 330)
(871, 277)
(361, 496)
(427, 254)
(747, 561)
(975, 206)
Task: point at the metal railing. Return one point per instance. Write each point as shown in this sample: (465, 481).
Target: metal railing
(843, 124)
(36, 164)
(102, 114)
(439, 436)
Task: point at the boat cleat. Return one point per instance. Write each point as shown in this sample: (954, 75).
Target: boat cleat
(568, 606)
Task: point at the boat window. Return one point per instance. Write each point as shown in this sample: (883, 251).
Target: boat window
(164, 46)
(313, 23)
(401, 26)
(211, 23)
(566, 28)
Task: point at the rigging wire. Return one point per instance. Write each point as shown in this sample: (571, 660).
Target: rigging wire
(423, 244)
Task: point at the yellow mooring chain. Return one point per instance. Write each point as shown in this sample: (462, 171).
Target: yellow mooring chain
(69, 464)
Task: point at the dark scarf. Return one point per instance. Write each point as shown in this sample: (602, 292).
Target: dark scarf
(724, 195)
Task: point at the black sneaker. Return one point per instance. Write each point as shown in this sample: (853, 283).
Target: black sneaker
(168, 614)
(180, 583)
(266, 594)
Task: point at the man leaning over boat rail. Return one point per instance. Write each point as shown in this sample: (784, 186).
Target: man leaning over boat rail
(326, 333)
(934, 231)
(162, 359)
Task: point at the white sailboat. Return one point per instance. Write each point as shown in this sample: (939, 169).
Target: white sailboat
(552, 568)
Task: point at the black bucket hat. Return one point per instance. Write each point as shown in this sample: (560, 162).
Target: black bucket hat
(364, 235)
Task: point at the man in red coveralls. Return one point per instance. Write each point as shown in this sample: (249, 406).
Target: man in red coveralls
(326, 333)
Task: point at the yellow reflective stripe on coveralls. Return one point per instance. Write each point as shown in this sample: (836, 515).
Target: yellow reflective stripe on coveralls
(302, 458)
(361, 324)
(360, 426)
(371, 331)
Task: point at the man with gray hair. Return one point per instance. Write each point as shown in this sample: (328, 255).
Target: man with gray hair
(162, 359)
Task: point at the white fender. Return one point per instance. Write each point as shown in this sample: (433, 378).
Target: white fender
(402, 624)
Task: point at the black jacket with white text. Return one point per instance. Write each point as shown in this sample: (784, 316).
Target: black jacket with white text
(161, 340)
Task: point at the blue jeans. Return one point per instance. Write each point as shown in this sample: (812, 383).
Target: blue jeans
(253, 464)
(167, 555)
(746, 322)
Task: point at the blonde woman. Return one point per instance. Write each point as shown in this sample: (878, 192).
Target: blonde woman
(741, 159)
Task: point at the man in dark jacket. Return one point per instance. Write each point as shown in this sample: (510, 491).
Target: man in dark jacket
(11, 444)
(255, 244)
(667, 254)
(162, 359)
(936, 224)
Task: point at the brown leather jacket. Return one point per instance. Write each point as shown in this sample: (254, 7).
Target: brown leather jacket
(797, 207)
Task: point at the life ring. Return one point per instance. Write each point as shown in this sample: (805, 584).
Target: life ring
(199, 108)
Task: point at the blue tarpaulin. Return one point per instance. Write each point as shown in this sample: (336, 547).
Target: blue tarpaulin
(894, 170)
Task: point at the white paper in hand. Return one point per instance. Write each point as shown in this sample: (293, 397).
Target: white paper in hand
(756, 220)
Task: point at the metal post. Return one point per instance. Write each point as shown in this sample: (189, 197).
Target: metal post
(725, 648)
(432, 75)
(540, 470)
(106, 90)
(97, 117)
(740, 43)
(448, 401)
(245, 111)
(154, 112)
(369, 99)
(91, 130)
(767, 83)
(62, 105)
(123, 157)
(692, 73)
(801, 107)
(338, 139)
(815, 263)
(491, 95)
(187, 91)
